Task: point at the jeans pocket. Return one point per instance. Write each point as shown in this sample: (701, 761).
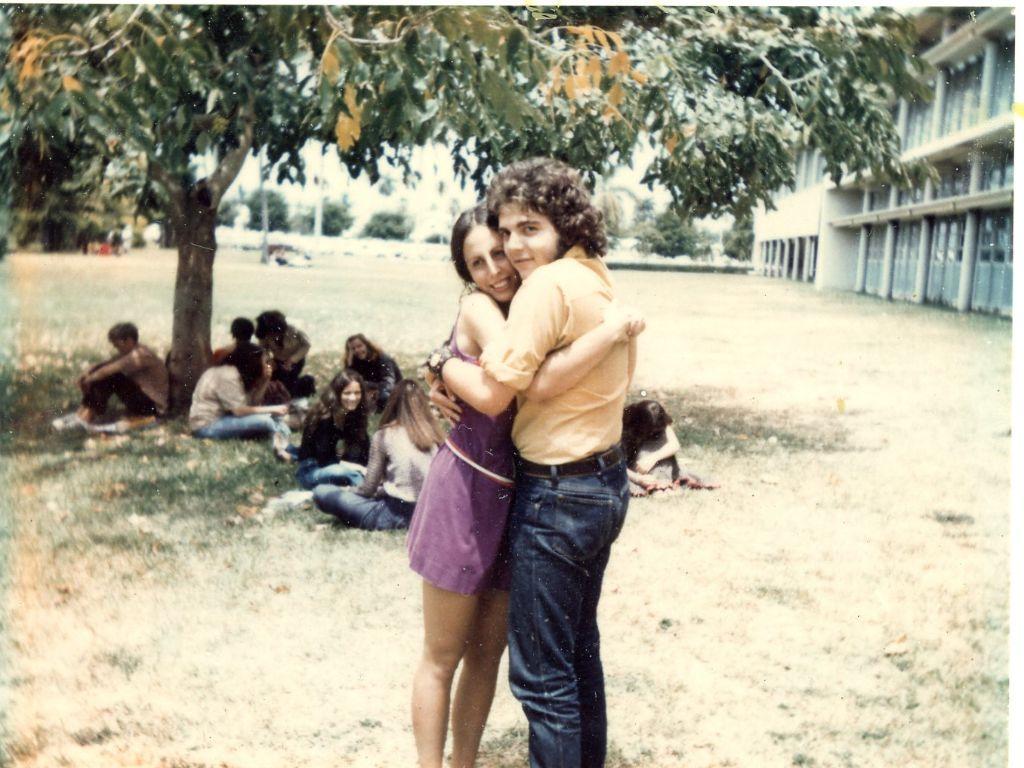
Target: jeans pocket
(583, 524)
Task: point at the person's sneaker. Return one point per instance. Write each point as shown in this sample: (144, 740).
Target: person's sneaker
(122, 426)
(68, 421)
(288, 501)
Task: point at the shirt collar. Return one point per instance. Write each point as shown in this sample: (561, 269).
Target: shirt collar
(576, 252)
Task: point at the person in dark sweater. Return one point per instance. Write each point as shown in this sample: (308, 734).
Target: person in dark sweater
(339, 416)
(289, 347)
(379, 371)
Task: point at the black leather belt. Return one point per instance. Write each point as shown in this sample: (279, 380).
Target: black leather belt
(588, 466)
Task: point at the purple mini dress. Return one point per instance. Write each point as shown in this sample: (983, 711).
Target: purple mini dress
(457, 534)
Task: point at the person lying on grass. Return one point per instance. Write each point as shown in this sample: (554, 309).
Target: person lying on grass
(135, 375)
(223, 402)
(400, 454)
(651, 449)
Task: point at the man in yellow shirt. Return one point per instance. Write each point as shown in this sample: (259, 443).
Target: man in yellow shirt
(571, 486)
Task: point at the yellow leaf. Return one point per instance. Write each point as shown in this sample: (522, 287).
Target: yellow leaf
(556, 79)
(582, 84)
(330, 65)
(584, 32)
(611, 113)
(71, 84)
(616, 95)
(841, 404)
(602, 38)
(570, 87)
(617, 39)
(671, 142)
(619, 63)
(639, 76)
(347, 130)
(582, 64)
(350, 102)
(594, 69)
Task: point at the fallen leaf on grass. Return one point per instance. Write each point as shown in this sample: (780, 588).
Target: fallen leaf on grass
(282, 589)
(897, 647)
(28, 489)
(247, 512)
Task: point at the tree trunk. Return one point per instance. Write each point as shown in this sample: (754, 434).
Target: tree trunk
(168, 238)
(193, 298)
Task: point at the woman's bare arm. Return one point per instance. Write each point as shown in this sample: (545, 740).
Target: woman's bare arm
(666, 451)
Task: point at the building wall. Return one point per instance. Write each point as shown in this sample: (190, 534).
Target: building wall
(966, 132)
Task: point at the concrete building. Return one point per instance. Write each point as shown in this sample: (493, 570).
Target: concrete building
(946, 243)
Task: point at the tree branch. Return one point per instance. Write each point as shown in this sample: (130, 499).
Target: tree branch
(231, 164)
(340, 31)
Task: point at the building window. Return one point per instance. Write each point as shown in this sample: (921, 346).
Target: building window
(1002, 78)
(963, 95)
(947, 244)
(878, 198)
(876, 242)
(919, 124)
(995, 237)
(954, 180)
(910, 196)
(997, 168)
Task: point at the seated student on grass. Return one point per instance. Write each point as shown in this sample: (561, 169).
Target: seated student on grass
(222, 404)
(651, 447)
(242, 330)
(400, 454)
(379, 371)
(335, 445)
(289, 347)
(135, 375)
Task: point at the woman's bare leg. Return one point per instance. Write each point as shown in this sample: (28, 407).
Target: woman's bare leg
(477, 680)
(447, 622)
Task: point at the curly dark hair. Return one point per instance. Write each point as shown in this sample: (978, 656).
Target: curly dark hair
(552, 188)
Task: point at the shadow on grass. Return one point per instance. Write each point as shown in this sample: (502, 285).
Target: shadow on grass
(699, 419)
(510, 749)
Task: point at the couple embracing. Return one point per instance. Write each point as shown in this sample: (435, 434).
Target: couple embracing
(514, 525)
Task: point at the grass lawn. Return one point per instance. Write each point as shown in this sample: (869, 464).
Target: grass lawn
(841, 600)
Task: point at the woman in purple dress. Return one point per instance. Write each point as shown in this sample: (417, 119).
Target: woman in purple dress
(457, 531)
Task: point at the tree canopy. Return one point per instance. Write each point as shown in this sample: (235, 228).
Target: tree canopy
(175, 97)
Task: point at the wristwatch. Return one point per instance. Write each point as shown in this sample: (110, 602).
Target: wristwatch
(437, 359)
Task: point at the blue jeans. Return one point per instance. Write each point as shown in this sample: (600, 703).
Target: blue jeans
(561, 532)
(309, 474)
(385, 513)
(240, 427)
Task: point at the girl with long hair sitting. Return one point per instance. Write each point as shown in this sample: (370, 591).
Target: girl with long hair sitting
(222, 403)
(400, 455)
(338, 417)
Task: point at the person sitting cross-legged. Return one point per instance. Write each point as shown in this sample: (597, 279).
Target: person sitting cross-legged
(222, 406)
